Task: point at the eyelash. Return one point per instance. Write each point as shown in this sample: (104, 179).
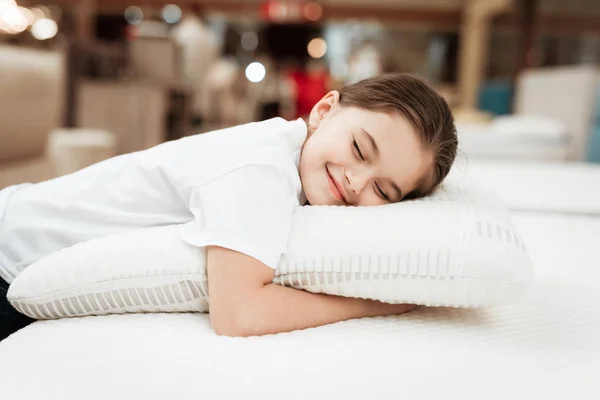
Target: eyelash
(360, 155)
(381, 193)
(378, 190)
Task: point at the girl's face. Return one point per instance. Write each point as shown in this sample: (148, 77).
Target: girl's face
(358, 157)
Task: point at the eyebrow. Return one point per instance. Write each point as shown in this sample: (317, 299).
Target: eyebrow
(373, 144)
(376, 150)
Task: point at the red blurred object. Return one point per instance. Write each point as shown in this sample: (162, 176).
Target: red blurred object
(312, 11)
(273, 10)
(310, 87)
(265, 8)
(290, 11)
(131, 32)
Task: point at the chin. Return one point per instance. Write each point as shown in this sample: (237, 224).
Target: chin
(316, 189)
(318, 199)
(313, 200)
(322, 199)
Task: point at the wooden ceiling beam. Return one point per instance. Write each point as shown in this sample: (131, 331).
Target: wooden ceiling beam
(252, 8)
(442, 18)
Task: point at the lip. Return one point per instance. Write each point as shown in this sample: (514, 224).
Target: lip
(335, 188)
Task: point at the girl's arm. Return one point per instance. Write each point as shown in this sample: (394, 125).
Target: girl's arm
(244, 302)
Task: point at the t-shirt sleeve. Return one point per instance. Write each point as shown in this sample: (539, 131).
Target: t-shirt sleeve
(248, 210)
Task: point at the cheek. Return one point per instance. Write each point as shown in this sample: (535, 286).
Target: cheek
(311, 162)
(317, 152)
(369, 198)
(311, 155)
(337, 151)
(328, 146)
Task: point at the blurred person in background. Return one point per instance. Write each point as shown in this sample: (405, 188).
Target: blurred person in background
(309, 85)
(274, 95)
(227, 92)
(226, 95)
(199, 52)
(364, 62)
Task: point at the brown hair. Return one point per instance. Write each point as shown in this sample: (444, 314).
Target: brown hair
(427, 111)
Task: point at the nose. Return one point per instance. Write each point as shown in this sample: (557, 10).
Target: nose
(356, 181)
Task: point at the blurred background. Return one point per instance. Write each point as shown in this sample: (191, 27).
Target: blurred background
(84, 80)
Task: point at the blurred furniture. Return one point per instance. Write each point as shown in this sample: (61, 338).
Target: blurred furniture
(495, 96)
(475, 29)
(541, 186)
(136, 112)
(74, 149)
(469, 116)
(159, 59)
(197, 49)
(32, 98)
(156, 58)
(111, 86)
(91, 59)
(180, 110)
(554, 119)
(594, 141)
(566, 94)
(31, 105)
(513, 137)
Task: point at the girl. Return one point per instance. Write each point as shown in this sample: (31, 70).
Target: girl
(379, 141)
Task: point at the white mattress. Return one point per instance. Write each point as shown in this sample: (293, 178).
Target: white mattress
(493, 145)
(544, 346)
(558, 187)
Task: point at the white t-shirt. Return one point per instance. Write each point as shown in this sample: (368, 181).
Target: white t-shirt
(235, 188)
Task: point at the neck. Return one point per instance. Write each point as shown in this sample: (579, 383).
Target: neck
(310, 130)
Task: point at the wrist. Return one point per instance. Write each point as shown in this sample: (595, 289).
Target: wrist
(374, 308)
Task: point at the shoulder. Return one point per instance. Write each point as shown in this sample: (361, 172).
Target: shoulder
(274, 131)
(273, 144)
(269, 183)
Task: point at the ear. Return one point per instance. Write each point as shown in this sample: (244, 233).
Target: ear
(322, 108)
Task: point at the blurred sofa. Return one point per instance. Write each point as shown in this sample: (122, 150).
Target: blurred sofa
(31, 106)
(33, 101)
(567, 94)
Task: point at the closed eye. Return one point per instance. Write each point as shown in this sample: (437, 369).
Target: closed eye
(381, 193)
(358, 152)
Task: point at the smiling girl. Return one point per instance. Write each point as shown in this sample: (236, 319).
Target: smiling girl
(379, 141)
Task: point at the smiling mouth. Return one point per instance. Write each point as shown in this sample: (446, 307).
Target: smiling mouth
(334, 187)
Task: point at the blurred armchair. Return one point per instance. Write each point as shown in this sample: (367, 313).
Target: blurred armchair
(32, 100)
(31, 106)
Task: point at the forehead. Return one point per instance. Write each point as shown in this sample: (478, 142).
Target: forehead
(387, 122)
(402, 156)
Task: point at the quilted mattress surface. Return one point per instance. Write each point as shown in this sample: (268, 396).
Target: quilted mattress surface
(544, 346)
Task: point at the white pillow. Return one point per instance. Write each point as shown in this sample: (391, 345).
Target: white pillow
(457, 247)
(529, 128)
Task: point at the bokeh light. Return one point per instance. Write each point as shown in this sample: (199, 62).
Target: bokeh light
(313, 11)
(134, 15)
(317, 47)
(12, 18)
(28, 14)
(249, 41)
(45, 11)
(38, 13)
(44, 29)
(255, 72)
(171, 14)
